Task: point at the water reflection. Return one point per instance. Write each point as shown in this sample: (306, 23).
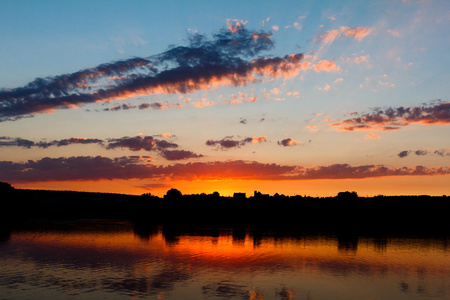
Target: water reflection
(119, 259)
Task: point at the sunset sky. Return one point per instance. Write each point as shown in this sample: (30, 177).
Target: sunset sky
(295, 97)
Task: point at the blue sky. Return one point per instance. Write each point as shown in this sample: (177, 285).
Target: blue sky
(320, 121)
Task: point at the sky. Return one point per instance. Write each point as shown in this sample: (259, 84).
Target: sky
(289, 97)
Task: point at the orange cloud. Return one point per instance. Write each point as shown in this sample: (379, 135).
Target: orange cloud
(326, 65)
(358, 33)
(325, 88)
(372, 136)
(312, 127)
(202, 103)
(328, 37)
(358, 59)
(259, 139)
(234, 25)
(168, 135)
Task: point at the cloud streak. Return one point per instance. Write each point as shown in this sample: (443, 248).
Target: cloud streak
(420, 152)
(393, 118)
(88, 168)
(224, 59)
(229, 143)
(24, 143)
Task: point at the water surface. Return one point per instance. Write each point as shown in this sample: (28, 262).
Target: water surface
(98, 259)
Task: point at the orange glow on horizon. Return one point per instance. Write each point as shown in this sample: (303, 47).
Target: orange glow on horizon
(389, 186)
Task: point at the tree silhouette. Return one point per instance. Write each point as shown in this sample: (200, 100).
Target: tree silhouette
(173, 194)
(6, 190)
(347, 195)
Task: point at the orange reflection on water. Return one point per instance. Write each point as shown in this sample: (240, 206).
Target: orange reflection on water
(168, 262)
(317, 253)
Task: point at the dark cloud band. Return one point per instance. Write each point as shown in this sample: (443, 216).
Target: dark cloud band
(393, 118)
(224, 59)
(134, 167)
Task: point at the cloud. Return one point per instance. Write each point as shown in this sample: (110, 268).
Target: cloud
(137, 143)
(154, 186)
(393, 118)
(325, 88)
(224, 59)
(328, 37)
(240, 98)
(441, 152)
(88, 168)
(179, 154)
(326, 65)
(258, 139)
(19, 142)
(372, 136)
(403, 154)
(421, 152)
(358, 59)
(155, 105)
(358, 33)
(394, 33)
(120, 107)
(202, 103)
(229, 143)
(149, 143)
(166, 135)
(288, 142)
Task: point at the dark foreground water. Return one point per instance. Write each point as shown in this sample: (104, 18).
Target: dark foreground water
(98, 259)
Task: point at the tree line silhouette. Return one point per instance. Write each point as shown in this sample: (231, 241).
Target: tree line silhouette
(345, 212)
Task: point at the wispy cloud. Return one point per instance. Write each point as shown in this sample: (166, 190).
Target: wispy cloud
(393, 118)
(328, 37)
(224, 59)
(88, 168)
(358, 32)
